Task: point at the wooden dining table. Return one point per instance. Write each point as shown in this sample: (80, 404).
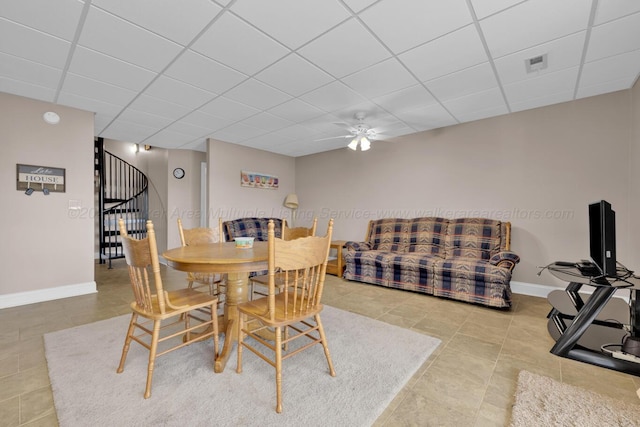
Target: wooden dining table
(236, 263)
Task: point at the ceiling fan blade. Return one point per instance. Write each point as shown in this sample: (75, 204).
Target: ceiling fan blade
(333, 137)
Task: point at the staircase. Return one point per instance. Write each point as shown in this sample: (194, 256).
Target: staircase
(123, 193)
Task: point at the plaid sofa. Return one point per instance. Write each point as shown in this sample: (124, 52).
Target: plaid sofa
(250, 227)
(466, 259)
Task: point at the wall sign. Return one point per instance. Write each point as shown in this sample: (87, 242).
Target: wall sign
(258, 180)
(40, 178)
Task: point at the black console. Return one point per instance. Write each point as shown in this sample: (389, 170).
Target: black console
(585, 325)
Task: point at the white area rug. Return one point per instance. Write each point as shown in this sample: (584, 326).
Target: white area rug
(542, 401)
(373, 361)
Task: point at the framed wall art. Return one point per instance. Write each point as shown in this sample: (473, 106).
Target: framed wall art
(258, 180)
(40, 178)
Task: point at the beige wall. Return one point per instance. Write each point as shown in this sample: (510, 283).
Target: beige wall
(634, 173)
(183, 194)
(227, 199)
(538, 169)
(45, 245)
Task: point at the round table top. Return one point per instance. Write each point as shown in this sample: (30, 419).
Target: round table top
(218, 258)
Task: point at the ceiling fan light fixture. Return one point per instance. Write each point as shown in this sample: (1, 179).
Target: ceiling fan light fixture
(353, 144)
(365, 144)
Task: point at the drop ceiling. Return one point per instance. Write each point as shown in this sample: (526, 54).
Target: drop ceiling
(280, 75)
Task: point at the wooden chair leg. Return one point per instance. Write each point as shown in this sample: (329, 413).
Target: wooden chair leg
(216, 331)
(152, 357)
(323, 337)
(127, 342)
(278, 369)
(240, 340)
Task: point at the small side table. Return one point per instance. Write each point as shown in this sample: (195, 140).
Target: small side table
(336, 266)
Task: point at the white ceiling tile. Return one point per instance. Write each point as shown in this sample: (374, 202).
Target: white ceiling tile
(126, 131)
(197, 70)
(622, 35)
(207, 121)
(477, 106)
(418, 21)
(434, 59)
(285, 75)
(58, 18)
(296, 110)
(333, 96)
(257, 94)
(100, 122)
(229, 109)
(358, 5)
(188, 129)
(97, 66)
(531, 23)
(197, 145)
(465, 82)
(345, 50)
(95, 89)
(274, 18)
(267, 122)
(20, 69)
(28, 90)
(430, 117)
(34, 45)
(168, 139)
(541, 101)
(159, 107)
(237, 132)
(485, 8)
(178, 92)
(126, 41)
(405, 99)
(610, 10)
(605, 87)
(625, 66)
(565, 52)
(143, 118)
(380, 79)
(177, 21)
(295, 133)
(238, 45)
(89, 104)
(561, 82)
(324, 124)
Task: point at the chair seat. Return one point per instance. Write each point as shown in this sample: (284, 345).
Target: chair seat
(284, 315)
(186, 299)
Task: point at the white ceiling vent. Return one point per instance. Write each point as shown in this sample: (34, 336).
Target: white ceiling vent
(536, 63)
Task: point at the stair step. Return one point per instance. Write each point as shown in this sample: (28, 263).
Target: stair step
(106, 245)
(109, 211)
(117, 232)
(114, 200)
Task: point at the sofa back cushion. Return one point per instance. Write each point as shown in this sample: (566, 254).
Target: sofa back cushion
(251, 227)
(474, 238)
(389, 234)
(428, 235)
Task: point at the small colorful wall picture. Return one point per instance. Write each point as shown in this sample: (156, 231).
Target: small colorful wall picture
(258, 180)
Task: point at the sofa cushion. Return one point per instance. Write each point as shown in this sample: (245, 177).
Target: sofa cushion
(473, 238)
(368, 266)
(427, 236)
(384, 233)
(413, 272)
(472, 281)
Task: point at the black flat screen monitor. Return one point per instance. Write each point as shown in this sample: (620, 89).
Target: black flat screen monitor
(602, 236)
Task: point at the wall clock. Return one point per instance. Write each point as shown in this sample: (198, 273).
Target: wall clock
(178, 173)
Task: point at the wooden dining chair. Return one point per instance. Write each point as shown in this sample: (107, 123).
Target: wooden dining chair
(259, 284)
(154, 305)
(199, 236)
(303, 262)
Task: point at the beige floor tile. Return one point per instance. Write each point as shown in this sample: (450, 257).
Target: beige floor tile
(10, 412)
(36, 404)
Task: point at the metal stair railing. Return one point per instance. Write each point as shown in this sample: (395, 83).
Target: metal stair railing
(123, 194)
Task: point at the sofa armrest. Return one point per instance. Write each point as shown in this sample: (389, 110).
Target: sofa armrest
(358, 246)
(505, 259)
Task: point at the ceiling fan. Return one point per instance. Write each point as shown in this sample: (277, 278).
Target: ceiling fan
(361, 134)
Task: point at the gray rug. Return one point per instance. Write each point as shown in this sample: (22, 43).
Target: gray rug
(542, 401)
(373, 361)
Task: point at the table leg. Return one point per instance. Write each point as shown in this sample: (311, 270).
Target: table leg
(237, 292)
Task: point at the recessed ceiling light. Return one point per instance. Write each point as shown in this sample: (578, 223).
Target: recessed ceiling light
(51, 118)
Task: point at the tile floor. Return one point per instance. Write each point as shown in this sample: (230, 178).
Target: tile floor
(469, 380)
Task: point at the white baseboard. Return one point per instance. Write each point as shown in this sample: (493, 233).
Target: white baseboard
(30, 297)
